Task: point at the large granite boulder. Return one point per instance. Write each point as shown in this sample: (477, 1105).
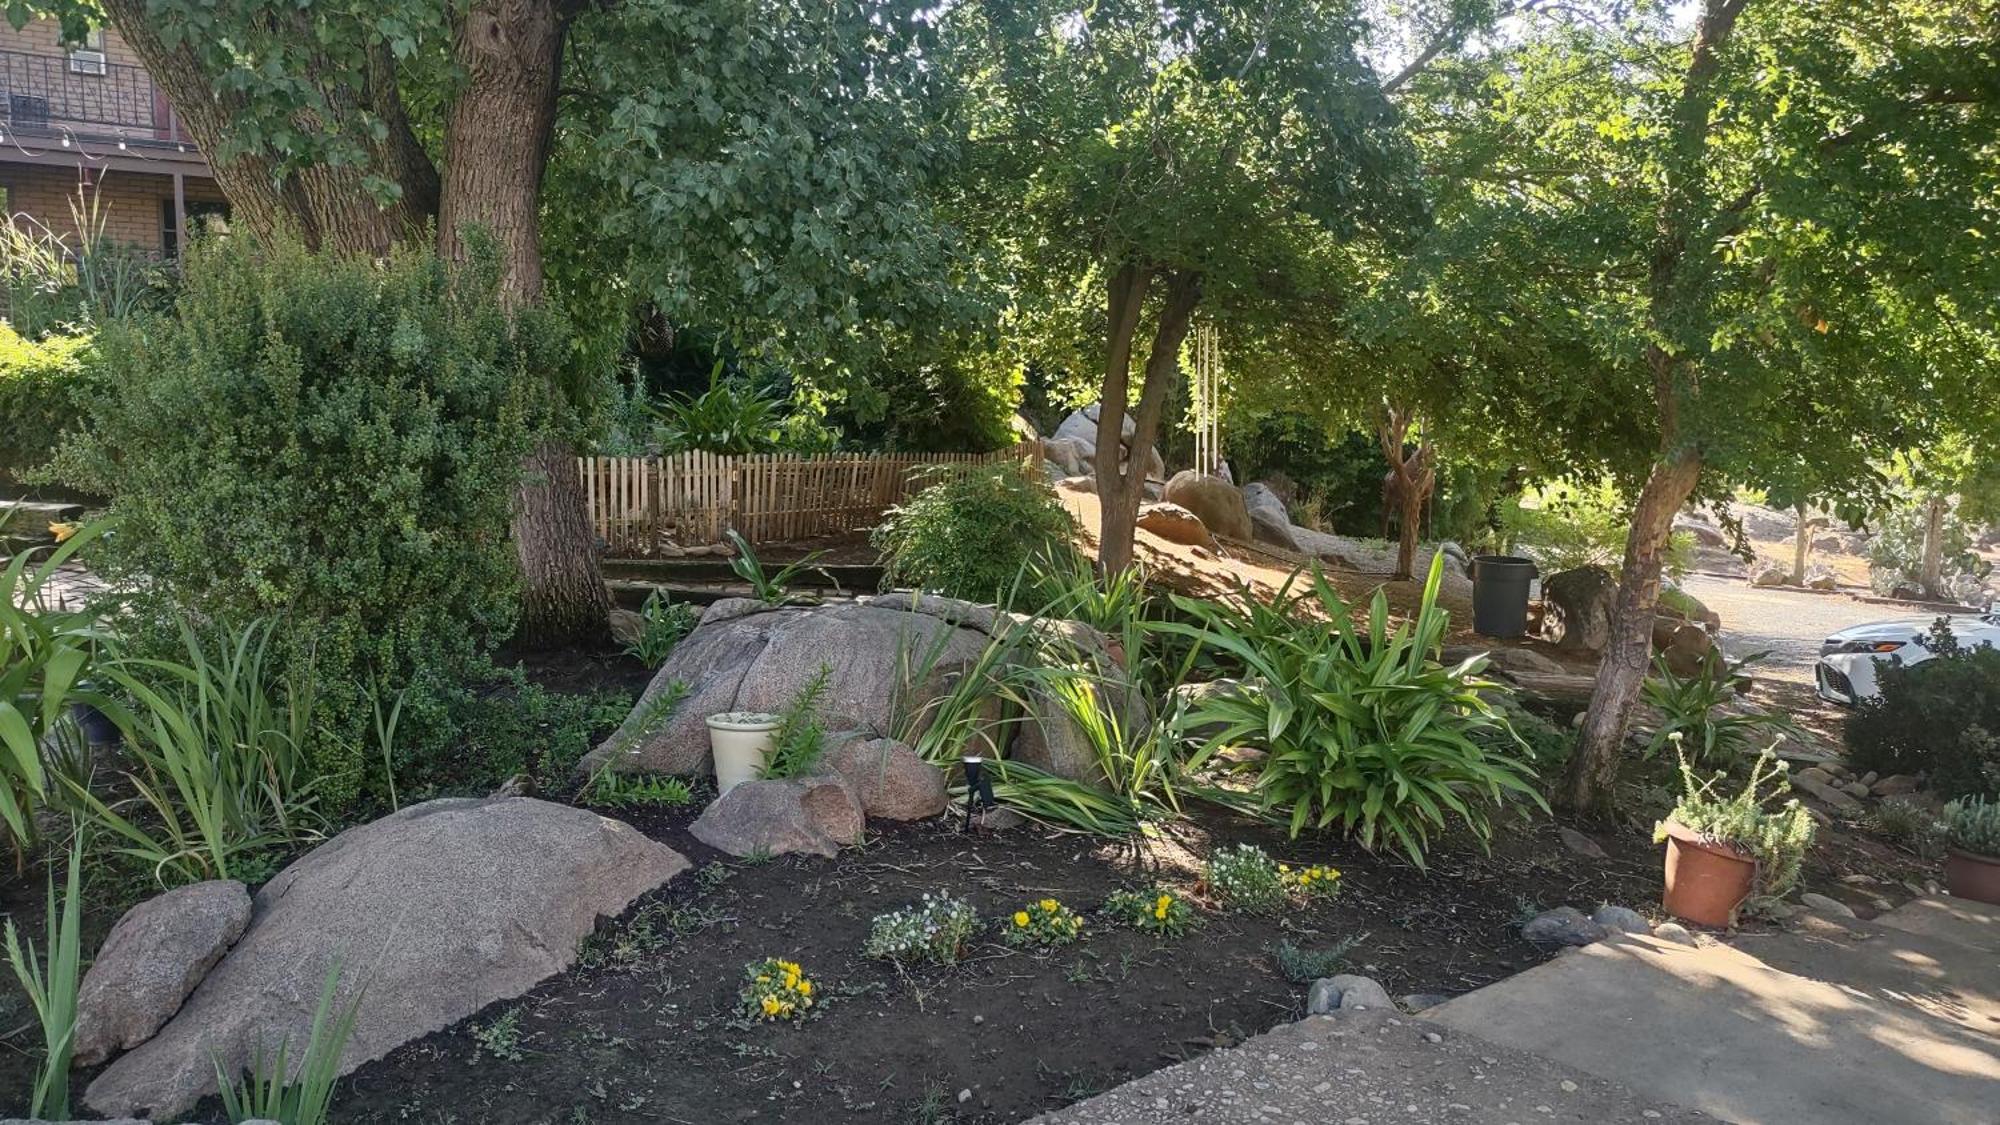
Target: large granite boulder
(1578, 606)
(813, 815)
(1175, 524)
(1684, 644)
(1217, 503)
(153, 958)
(748, 656)
(889, 778)
(430, 913)
(1269, 521)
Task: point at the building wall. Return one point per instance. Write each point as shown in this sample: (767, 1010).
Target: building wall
(122, 101)
(44, 37)
(129, 201)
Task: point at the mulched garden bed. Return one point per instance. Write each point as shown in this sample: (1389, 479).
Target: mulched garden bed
(649, 1030)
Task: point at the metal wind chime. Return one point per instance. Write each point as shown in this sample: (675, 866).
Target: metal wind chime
(1207, 377)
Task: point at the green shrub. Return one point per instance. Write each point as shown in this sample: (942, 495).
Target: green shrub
(1696, 708)
(1938, 718)
(973, 536)
(333, 442)
(45, 388)
(1361, 726)
(1973, 825)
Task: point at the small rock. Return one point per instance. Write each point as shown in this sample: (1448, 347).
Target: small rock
(1421, 1001)
(1673, 932)
(1175, 524)
(1881, 905)
(1855, 790)
(1565, 925)
(814, 815)
(1580, 844)
(1433, 1037)
(1346, 992)
(1821, 904)
(1621, 918)
(1895, 785)
(1868, 778)
(1824, 791)
(152, 960)
(1858, 880)
(889, 778)
(964, 1096)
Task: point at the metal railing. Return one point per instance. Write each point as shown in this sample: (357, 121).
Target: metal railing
(43, 94)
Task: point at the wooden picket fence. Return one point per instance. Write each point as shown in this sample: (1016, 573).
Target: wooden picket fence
(638, 505)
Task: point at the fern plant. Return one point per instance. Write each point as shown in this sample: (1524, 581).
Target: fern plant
(1362, 728)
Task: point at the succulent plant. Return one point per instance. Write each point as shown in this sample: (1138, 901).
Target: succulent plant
(1973, 825)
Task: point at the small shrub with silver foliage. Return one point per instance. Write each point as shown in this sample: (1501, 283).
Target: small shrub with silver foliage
(935, 930)
(1973, 825)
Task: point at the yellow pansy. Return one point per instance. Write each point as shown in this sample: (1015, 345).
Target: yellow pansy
(805, 988)
(1021, 918)
(1050, 905)
(771, 1005)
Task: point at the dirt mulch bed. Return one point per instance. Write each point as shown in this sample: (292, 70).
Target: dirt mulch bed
(651, 1032)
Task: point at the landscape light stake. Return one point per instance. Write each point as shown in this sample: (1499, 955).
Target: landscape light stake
(978, 788)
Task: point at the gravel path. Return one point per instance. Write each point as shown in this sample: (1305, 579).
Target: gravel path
(1790, 624)
(1368, 1068)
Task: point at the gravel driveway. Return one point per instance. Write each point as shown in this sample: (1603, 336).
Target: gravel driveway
(1790, 624)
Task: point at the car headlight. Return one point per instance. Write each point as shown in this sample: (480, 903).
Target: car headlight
(1875, 647)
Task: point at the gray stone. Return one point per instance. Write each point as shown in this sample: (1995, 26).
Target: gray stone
(747, 656)
(1175, 524)
(1770, 574)
(810, 815)
(1869, 778)
(1673, 932)
(1217, 503)
(1080, 483)
(889, 779)
(1821, 578)
(626, 626)
(1578, 607)
(1895, 785)
(153, 958)
(1621, 919)
(1855, 789)
(1421, 1001)
(1565, 925)
(1347, 993)
(1830, 907)
(1824, 791)
(1269, 521)
(1580, 844)
(1703, 534)
(430, 914)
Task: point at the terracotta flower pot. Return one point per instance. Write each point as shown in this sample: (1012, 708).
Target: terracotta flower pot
(1706, 881)
(1973, 876)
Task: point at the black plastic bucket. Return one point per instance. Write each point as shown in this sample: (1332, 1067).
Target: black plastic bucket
(1500, 595)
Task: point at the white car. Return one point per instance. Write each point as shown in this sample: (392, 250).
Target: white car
(1848, 659)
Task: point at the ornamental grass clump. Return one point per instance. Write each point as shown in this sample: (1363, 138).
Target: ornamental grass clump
(935, 930)
(1153, 910)
(776, 990)
(1046, 925)
(1776, 838)
(1245, 877)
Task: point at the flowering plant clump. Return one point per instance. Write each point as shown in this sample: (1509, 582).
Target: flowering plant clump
(1047, 923)
(1315, 883)
(1243, 877)
(1154, 909)
(935, 929)
(776, 990)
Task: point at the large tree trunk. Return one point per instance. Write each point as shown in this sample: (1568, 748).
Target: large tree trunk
(327, 205)
(1593, 769)
(1121, 473)
(1931, 570)
(497, 143)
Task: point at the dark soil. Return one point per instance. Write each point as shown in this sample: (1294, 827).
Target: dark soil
(652, 1034)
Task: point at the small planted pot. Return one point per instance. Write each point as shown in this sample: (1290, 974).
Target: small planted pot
(1971, 875)
(98, 730)
(1706, 881)
(741, 742)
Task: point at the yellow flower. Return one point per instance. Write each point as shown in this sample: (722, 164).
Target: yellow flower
(1021, 918)
(1305, 880)
(1284, 869)
(805, 988)
(1050, 905)
(771, 1005)
(1160, 908)
(62, 531)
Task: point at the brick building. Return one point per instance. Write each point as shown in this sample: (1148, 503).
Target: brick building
(83, 126)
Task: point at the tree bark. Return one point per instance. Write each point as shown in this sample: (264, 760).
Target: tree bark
(328, 206)
(497, 142)
(1801, 546)
(1121, 473)
(1931, 570)
(1593, 769)
(1414, 475)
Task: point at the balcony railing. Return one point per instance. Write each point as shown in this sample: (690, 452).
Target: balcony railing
(56, 95)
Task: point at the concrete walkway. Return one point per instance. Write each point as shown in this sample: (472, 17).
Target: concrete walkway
(1368, 1068)
(1830, 1023)
(1833, 1023)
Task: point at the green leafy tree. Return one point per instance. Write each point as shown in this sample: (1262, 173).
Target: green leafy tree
(1137, 164)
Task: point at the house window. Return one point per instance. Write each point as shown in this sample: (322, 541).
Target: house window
(87, 57)
(198, 211)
